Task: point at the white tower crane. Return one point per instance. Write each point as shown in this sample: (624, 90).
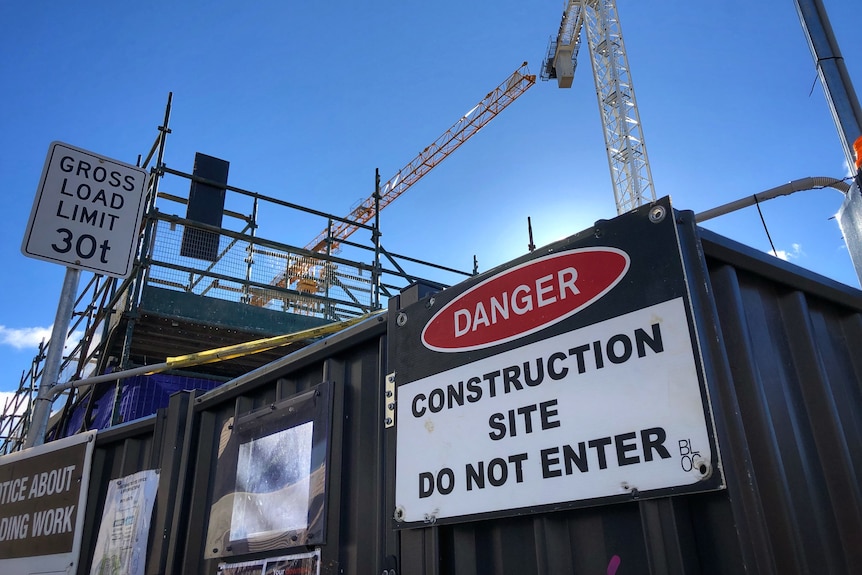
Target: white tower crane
(627, 157)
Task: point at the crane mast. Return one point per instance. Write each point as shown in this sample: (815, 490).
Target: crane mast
(328, 240)
(624, 143)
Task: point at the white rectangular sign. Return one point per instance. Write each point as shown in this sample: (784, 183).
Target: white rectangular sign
(611, 409)
(87, 212)
(121, 546)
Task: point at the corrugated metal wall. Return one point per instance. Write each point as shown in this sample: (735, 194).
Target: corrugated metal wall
(782, 354)
(782, 351)
(152, 443)
(791, 346)
(357, 531)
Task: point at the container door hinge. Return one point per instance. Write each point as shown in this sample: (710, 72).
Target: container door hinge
(389, 401)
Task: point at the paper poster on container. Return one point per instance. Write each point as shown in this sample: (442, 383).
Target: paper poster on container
(297, 564)
(567, 378)
(124, 532)
(43, 493)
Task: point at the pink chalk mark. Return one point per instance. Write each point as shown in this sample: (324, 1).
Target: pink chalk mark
(614, 565)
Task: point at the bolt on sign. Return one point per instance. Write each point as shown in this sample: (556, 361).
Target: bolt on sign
(87, 212)
(43, 491)
(569, 377)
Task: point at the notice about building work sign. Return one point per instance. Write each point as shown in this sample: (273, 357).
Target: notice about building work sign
(567, 379)
(42, 494)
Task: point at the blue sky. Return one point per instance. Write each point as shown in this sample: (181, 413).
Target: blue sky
(306, 99)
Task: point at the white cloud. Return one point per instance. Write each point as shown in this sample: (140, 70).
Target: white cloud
(6, 396)
(794, 253)
(25, 337)
(31, 337)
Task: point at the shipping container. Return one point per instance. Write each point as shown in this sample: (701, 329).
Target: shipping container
(769, 349)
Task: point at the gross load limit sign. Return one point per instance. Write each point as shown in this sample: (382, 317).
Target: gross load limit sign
(87, 212)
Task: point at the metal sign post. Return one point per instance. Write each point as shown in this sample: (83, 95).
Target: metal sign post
(53, 360)
(86, 215)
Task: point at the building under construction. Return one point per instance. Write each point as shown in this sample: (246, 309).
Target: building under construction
(643, 396)
(211, 275)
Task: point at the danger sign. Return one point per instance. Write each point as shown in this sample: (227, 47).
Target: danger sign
(566, 379)
(525, 299)
(87, 212)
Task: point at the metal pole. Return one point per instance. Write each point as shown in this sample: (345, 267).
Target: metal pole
(150, 221)
(51, 373)
(246, 289)
(840, 95)
(328, 273)
(142, 273)
(815, 183)
(375, 275)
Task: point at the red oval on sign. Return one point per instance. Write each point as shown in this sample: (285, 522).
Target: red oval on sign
(525, 299)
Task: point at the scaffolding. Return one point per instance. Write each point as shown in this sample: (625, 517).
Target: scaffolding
(173, 304)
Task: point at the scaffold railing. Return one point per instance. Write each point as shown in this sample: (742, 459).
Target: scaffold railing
(258, 238)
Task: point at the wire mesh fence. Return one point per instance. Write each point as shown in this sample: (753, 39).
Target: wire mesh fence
(250, 259)
(261, 274)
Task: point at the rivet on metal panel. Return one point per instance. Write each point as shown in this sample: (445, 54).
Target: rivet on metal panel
(635, 493)
(430, 302)
(399, 514)
(598, 233)
(389, 392)
(401, 319)
(657, 214)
